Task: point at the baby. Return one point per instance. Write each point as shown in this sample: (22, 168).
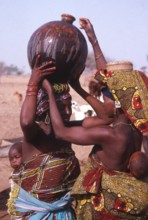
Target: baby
(138, 165)
(15, 155)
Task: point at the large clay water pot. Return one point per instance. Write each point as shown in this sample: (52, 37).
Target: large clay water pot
(61, 42)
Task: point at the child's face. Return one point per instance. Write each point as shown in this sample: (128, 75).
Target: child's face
(15, 158)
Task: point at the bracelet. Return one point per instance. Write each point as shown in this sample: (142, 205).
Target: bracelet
(32, 88)
(31, 93)
(98, 57)
(32, 84)
(95, 41)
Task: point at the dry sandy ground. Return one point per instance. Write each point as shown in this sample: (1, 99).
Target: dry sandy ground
(10, 128)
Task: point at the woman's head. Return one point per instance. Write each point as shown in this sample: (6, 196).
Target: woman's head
(63, 99)
(64, 106)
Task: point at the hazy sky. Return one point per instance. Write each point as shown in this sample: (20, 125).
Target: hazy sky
(120, 25)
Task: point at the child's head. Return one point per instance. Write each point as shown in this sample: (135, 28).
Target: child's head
(138, 165)
(15, 155)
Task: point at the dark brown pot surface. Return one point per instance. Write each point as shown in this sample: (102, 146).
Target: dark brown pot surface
(61, 42)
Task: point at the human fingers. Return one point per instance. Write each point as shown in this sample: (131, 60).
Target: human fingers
(84, 22)
(47, 71)
(37, 61)
(46, 64)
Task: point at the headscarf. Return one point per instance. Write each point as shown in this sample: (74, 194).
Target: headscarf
(130, 89)
(61, 93)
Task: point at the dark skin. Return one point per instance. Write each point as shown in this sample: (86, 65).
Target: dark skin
(138, 165)
(145, 144)
(15, 155)
(105, 138)
(88, 27)
(39, 137)
(104, 111)
(113, 145)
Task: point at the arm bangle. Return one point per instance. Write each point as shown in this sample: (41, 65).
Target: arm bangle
(32, 88)
(95, 41)
(32, 84)
(31, 94)
(98, 57)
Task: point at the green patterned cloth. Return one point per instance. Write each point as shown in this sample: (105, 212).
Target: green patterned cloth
(130, 90)
(119, 195)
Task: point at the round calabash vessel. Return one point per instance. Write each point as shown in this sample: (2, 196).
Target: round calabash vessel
(61, 42)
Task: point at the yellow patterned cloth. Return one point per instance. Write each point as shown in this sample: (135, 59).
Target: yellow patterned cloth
(119, 196)
(130, 89)
(47, 177)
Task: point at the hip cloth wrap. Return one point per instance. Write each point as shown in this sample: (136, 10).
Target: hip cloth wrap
(105, 194)
(47, 177)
